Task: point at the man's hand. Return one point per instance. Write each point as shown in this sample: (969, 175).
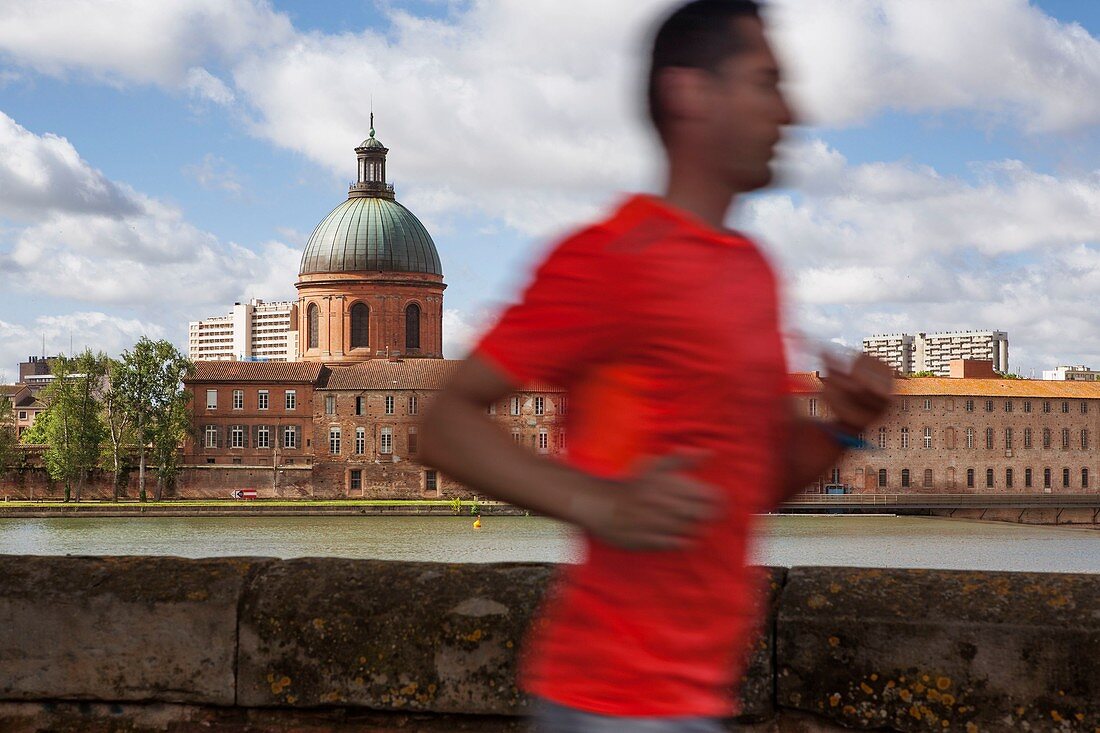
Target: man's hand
(860, 395)
(659, 508)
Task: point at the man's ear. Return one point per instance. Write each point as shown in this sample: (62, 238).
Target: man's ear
(682, 94)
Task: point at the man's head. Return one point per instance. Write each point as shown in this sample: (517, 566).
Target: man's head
(714, 90)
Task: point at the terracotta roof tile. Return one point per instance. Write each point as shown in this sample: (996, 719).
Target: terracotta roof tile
(426, 374)
(810, 382)
(7, 390)
(256, 371)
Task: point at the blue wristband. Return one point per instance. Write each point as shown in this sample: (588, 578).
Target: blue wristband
(847, 440)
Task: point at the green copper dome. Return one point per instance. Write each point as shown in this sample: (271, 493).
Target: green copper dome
(370, 234)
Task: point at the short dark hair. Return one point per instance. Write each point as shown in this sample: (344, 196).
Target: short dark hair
(697, 35)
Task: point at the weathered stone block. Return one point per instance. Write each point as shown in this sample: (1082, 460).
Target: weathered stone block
(757, 684)
(390, 636)
(924, 650)
(119, 628)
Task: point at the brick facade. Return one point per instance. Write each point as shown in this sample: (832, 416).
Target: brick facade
(967, 435)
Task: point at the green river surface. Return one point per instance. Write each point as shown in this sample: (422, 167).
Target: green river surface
(866, 541)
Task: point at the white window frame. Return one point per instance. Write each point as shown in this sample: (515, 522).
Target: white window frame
(390, 404)
(211, 399)
(813, 407)
(263, 437)
(291, 401)
(238, 399)
(385, 441)
(492, 408)
(905, 438)
(22, 414)
(211, 436)
(290, 437)
(544, 440)
(235, 432)
(540, 405)
(360, 441)
(970, 438)
(335, 440)
(330, 404)
(514, 405)
(928, 437)
(262, 399)
(414, 405)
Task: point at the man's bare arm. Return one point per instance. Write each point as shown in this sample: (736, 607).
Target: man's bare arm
(658, 508)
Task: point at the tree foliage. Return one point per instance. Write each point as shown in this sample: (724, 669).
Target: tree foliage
(9, 441)
(73, 429)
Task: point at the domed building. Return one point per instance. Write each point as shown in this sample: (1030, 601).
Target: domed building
(370, 284)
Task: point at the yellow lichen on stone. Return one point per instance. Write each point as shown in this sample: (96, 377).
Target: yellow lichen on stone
(409, 689)
(1056, 716)
(914, 712)
(867, 689)
(943, 682)
(848, 710)
(834, 641)
(278, 685)
(475, 636)
(834, 699)
(319, 624)
(971, 728)
(905, 695)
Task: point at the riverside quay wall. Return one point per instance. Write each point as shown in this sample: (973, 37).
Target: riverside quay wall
(95, 644)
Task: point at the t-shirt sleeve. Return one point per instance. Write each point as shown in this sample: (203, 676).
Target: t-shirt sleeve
(566, 319)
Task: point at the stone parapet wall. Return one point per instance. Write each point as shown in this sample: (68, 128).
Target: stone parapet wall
(250, 644)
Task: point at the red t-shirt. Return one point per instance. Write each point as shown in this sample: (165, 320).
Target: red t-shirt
(665, 333)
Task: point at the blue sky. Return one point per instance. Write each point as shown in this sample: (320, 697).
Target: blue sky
(163, 163)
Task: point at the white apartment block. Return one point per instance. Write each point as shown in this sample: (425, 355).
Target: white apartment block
(934, 352)
(1071, 374)
(255, 330)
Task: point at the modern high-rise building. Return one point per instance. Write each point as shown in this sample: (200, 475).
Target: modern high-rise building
(253, 331)
(1071, 374)
(934, 352)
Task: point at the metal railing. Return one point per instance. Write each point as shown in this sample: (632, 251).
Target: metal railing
(947, 501)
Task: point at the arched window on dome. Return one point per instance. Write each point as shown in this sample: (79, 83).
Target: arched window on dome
(313, 326)
(412, 326)
(360, 328)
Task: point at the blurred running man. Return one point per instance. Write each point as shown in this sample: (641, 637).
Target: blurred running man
(663, 326)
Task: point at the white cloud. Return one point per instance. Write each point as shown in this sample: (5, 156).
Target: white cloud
(214, 173)
(204, 85)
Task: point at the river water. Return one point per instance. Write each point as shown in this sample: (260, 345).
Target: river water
(866, 541)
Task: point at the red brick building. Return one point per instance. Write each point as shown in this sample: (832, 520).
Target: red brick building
(974, 432)
(344, 420)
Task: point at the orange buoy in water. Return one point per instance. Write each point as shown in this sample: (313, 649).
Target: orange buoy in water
(477, 523)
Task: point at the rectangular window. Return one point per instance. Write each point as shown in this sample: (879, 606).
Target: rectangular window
(492, 408)
(517, 437)
(970, 437)
(1084, 407)
(360, 441)
(989, 438)
(813, 407)
(540, 405)
(1084, 478)
(431, 481)
(1027, 478)
(22, 414)
(905, 478)
(1065, 437)
(263, 437)
(1046, 437)
(236, 436)
(513, 405)
(262, 399)
(882, 437)
(928, 478)
(563, 405)
(970, 405)
(291, 399)
(330, 404)
(928, 437)
(356, 479)
(1084, 440)
(211, 399)
(989, 405)
(360, 404)
(1008, 405)
(1065, 407)
(211, 436)
(238, 399)
(334, 440)
(414, 404)
(1027, 406)
(989, 478)
(882, 478)
(1046, 405)
(905, 405)
(970, 478)
(1008, 438)
(561, 440)
(290, 436)
(1008, 478)
(389, 404)
(1027, 437)
(544, 441)
(927, 404)
(1065, 478)
(414, 441)
(1046, 478)
(385, 441)
(905, 437)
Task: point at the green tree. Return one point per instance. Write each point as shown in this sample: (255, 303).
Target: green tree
(121, 434)
(36, 434)
(9, 441)
(150, 386)
(73, 430)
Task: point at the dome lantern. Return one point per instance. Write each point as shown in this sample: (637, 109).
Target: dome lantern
(371, 156)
